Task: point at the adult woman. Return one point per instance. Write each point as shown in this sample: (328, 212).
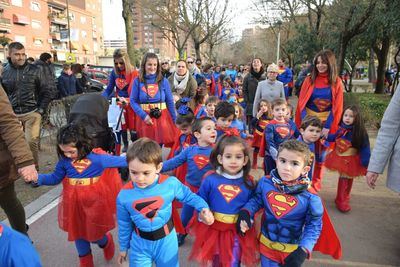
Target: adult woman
(182, 82)
(269, 89)
(321, 95)
(120, 79)
(151, 99)
(82, 79)
(387, 147)
(250, 84)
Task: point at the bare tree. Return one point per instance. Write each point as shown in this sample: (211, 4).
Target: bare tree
(127, 14)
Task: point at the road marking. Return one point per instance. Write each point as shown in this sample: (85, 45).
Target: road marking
(348, 263)
(36, 216)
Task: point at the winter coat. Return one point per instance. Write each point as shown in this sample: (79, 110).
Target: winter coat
(250, 84)
(66, 85)
(48, 75)
(14, 151)
(191, 86)
(387, 145)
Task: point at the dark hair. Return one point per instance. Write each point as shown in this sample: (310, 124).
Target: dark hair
(228, 80)
(30, 59)
(76, 135)
(186, 117)
(299, 147)
(251, 65)
(224, 110)
(311, 121)
(66, 66)
(221, 78)
(207, 67)
(146, 151)
(76, 68)
(45, 56)
(198, 124)
(360, 135)
(212, 99)
(228, 140)
(16, 46)
(278, 102)
(143, 68)
(328, 57)
(268, 104)
(290, 107)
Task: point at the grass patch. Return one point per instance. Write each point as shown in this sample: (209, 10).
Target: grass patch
(372, 106)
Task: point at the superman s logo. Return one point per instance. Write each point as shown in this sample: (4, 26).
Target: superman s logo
(322, 104)
(281, 204)
(229, 192)
(81, 165)
(342, 145)
(152, 89)
(121, 83)
(148, 207)
(282, 131)
(201, 161)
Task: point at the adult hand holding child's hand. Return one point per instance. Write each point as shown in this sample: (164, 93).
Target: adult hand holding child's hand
(243, 223)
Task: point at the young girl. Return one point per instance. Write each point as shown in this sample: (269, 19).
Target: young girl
(226, 190)
(87, 208)
(238, 122)
(351, 155)
(200, 98)
(259, 123)
(239, 91)
(209, 109)
(227, 88)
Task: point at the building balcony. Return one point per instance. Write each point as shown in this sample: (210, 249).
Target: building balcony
(5, 23)
(58, 19)
(4, 3)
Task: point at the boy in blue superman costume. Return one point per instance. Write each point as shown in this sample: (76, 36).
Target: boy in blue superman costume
(144, 209)
(294, 215)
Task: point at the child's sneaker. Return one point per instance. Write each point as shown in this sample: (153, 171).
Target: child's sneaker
(109, 249)
(181, 239)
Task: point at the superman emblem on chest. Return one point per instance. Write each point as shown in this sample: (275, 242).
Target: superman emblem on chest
(342, 145)
(201, 161)
(322, 104)
(283, 131)
(81, 165)
(281, 204)
(229, 192)
(148, 207)
(121, 83)
(152, 90)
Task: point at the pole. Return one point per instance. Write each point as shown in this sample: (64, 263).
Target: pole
(278, 45)
(69, 28)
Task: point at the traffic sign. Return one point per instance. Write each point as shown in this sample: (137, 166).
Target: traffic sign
(70, 58)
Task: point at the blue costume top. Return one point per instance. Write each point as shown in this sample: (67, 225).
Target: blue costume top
(16, 249)
(155, 93)
(91, 166)
(216, 75)
(241, 126)
(184, 142)
(197, 159)
(226, 92)
(119, 82)
(285, 76)
(278, 132)
(294, 218)
(203, 113)
(150, 208)
(311, 146)
(231, 73)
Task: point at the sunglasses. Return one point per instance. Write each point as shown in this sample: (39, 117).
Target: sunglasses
(119, 63)
(190, 62)
(164, 63)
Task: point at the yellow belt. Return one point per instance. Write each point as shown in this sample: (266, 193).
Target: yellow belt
(147, 107)
(225, 218)
(323, 116)
(349, 152)
(278, 246)
(83, 181)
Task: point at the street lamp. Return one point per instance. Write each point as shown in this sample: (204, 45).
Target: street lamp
(69, 28)
(279, 24)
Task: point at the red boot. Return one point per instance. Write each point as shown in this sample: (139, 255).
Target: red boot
(343, 194)
(86, 261)
(255, 159)
(109, 249)
(317, 176)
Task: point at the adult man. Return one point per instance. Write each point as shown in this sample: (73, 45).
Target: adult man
(231, 72)
(28, 93)
(14, 153)
(45, 62)
(285, 76)
(165, 69)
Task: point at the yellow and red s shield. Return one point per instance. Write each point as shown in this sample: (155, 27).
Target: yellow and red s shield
(201, 161)
(322, 104)
(81, 165)
(281, 204)
(283, 131)
(152, 89)
(229, 192)
(121, 83)
(342, 145)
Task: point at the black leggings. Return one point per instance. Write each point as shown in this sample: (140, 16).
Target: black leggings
(13, 208)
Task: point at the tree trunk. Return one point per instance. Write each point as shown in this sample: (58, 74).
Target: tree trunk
(181, 52)
(127, 14)
(371, 67)
(353, 67)
(396, 77)
(382, 55)
(197, 48)
(342, 53)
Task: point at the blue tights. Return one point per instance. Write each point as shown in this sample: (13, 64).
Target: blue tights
(83, 246)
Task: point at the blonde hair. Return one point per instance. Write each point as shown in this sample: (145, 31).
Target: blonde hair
(122, 53)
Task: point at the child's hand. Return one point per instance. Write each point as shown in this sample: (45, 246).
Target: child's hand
(243, 223)
(325, 133)
(259, 114)
(122, 257)
(206, 216)
(250, 136)
(148, 120)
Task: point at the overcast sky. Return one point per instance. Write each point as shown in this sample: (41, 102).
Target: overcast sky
(112, 11)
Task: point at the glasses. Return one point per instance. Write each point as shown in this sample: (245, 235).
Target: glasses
(119, 63)
(164, 63)
(190, 62)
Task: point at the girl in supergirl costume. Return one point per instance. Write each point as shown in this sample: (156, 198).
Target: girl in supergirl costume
(258, 124)
(200, 98)
(321, 95)
(226, 190)
(351, 155)
(87, 207)
(151, 99)
(120, 79)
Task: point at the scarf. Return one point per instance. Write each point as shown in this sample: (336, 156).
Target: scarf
(290, 187)
(180, 82)
(257, 75)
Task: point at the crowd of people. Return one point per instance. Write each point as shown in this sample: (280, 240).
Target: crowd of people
(217, 121)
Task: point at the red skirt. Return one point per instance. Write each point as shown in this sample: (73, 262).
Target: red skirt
(349, 166)
(218, 239)
(163, 130)
(257, 139)
(129, 116)
(88, 211)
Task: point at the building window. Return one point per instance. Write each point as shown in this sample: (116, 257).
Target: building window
(37, 42)
(71, 16)
(16, 3)
(35, 6)
(20, 38)
(36, 24)
(83, 20)
(84, 34)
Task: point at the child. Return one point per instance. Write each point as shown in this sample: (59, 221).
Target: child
(224, 114)
(259, 123)
(197, 158)
(200, 98)
(351, 155)
(86, 211)
(310, 130)
(238, 122)
(292, 220)
(227, 88)
(277, 131)
(289, 114)
(144, 209)
(209, 109)
(226, 190)
(239, 91)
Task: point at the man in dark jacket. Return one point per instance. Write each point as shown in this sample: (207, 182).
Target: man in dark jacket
(66, 82)
(45, 63)
(28, 93)
(15, 158)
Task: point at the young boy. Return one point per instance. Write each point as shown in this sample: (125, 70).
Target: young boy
(310, 129)
(144, 209)
(224, 114)
(197, 158)
(292, 215)
(277, 131)
(209, 109)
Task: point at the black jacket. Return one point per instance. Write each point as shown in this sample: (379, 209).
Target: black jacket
(48, 75)
(250, 84)
(26, 88)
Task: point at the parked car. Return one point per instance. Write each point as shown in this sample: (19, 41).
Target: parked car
(98, 75)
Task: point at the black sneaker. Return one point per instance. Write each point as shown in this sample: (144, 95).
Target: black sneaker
(181, 239)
